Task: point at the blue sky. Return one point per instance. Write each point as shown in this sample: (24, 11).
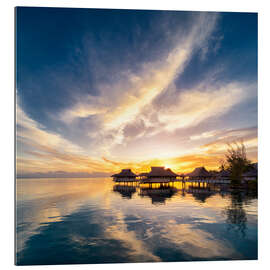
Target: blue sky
(97, 88)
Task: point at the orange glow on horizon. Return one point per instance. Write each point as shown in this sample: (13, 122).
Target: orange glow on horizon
(178, 165)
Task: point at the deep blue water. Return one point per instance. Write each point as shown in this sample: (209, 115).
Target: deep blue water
(73, 221)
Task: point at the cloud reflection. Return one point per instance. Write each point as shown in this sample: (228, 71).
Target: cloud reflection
(93, 224)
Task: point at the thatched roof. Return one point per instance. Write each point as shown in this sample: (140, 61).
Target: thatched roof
(199, 172)
(161, 171)
(125, 173)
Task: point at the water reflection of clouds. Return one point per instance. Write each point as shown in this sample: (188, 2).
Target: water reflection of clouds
(83, 238)
(197, 243)
(92, 220)
(138, 249)
(43, 201)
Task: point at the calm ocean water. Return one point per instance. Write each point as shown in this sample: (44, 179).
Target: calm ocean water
(62, 221)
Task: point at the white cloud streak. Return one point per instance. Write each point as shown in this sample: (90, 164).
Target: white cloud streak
(124, 101)
(144, 103)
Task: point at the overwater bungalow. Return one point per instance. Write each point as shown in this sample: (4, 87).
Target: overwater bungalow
(199, 174)
(158, 175)
(126, 175)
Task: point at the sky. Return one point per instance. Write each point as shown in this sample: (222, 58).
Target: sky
(99, 90)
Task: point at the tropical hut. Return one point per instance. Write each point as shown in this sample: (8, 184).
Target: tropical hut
(160, 175)
(199, 174)
(126, 175)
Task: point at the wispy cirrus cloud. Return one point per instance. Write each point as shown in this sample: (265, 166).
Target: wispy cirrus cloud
(189, 108)
(119, 104)
(148, 102)
(134, 108)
